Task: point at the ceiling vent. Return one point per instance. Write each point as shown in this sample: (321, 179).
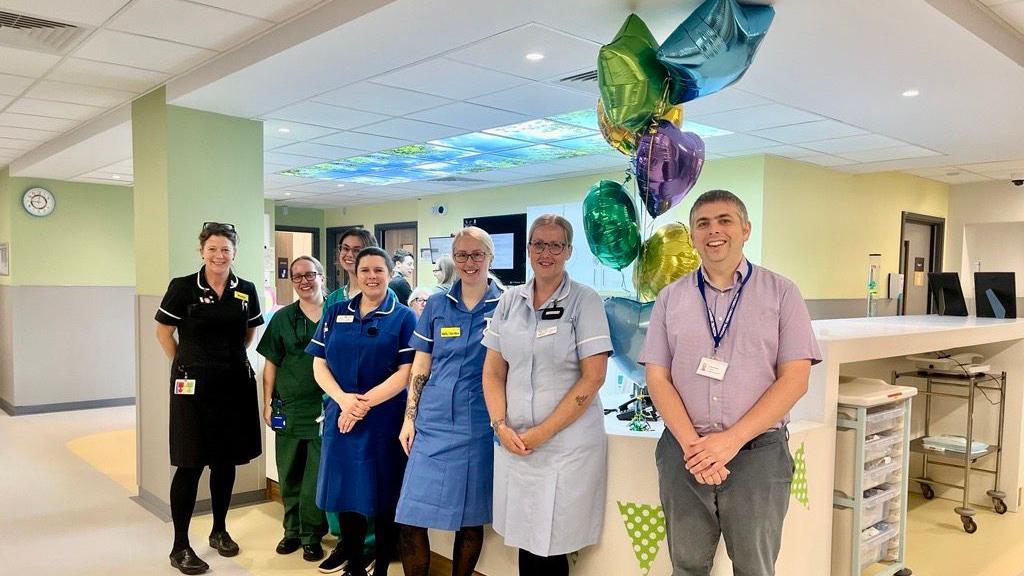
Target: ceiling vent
(30, 33)
(457, 180)
(586, 81)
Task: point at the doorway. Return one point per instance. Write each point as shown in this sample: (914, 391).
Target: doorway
(399, 236)
(920, 253)
(290, 242)
(335, 274)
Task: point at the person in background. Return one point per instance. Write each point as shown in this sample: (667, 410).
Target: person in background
(446, 434)
(444, 272)
(728, 353)
(292, 405)
(214, 412)
(547, 352)
(405, 267)
(418, 299)
(362, 362)
(352, 241)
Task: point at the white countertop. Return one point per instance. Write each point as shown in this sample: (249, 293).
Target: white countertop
(615, 427)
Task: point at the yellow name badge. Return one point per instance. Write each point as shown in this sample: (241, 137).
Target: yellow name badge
(451, 332)
(241, 296)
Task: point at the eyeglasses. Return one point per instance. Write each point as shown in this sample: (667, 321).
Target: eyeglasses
(418, 300)
(436, 270)
(343, 248)
(462, 257)
(553, 248)
(216, 226)
(308, 277)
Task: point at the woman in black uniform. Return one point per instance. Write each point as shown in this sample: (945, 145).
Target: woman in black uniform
(215, 417)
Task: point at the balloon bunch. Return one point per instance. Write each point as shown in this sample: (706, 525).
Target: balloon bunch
(643, 86)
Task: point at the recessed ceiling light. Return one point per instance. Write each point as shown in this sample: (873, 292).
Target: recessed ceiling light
(116, 177)
(287, 193)
(284, 130)
(534, 56)
(341, 185)
(911, 93)
(952, 173)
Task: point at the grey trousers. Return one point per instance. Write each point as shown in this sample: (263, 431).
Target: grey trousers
(748, 508)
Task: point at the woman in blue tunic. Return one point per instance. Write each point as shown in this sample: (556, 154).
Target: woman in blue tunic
(362, 362)
(446, 431)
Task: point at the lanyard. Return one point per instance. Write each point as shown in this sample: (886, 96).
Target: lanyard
(718, 333)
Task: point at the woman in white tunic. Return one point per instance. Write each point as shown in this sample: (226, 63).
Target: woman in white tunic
(548, 346)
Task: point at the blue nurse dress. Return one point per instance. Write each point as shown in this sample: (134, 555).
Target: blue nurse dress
(449, 477)
(361, 471)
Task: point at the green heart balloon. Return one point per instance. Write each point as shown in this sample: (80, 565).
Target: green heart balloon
(666, 256)
(609, 219)
(631, 79)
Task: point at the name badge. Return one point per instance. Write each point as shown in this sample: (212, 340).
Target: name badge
(451, 332)
(552, 313)
(712, 368)
(185, 386)
(542, 332)
(345, 318)
(241, 296)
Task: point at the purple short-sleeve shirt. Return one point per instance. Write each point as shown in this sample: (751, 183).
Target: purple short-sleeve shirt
(770, 326)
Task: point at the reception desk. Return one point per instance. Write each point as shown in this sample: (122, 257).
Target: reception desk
(869, 347)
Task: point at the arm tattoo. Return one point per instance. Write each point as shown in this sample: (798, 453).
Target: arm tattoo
(581, 400)
(416, 384)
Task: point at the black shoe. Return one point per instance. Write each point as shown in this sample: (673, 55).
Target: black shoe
(188, 562)
(312, 552)
(221, 542)
(334, 563)
(287, 545)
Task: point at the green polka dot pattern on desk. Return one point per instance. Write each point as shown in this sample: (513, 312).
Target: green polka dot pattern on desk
(645, 525)
(799, 486)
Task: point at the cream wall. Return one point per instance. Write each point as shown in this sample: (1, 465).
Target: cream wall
(820, 224)
(976, 205)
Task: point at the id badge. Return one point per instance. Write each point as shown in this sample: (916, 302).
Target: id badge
(185, 386)
(451, 331)
(344, 319)
(712, 368)
(277, 422)
(542, 332)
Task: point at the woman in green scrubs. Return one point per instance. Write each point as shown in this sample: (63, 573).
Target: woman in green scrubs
(292, 404)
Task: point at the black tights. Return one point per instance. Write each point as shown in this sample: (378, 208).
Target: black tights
(353, 533)
(416, 550)
(533, 565)
(185, 486)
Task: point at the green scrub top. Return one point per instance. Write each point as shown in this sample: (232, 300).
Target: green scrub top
(338, 295)
(284, 343)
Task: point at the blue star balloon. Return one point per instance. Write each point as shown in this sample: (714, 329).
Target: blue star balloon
(713, 47)
(627, 322)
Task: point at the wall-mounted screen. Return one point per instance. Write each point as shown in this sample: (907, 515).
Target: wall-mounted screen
(440, 246)
(508, 233)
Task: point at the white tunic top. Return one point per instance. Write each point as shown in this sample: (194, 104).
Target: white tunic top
(552, 501)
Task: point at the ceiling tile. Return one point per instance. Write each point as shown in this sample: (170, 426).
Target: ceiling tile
(895, 153)
(270, 167)
(270, 142)
(276, 194)
(935, 171)
(104, 74)
(26, 134)
(5, 100)
(827, 160)
(318, 150)
(380, 98)
(413, 130)
(273, 181)
(853, 144)
(996, 167)
(294, 131)
(736, 143)
(537, 100)
(319, 187)
(727, 99)
(961, 178)
(37, 122)
(290, 160)
(449, 79)
(506, 52)
(14, 85)
(365, 142)
(54, 109)
(187, 23)
(25, 62)
(141, 52)
(789, 151)
(17, 144)
(755, 118)
(92, 12)
(78, 94)
(326, 115)
(274, 10)
(470, 116)
(810, 132)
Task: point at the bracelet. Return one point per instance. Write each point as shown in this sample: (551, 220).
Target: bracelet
(495, 424)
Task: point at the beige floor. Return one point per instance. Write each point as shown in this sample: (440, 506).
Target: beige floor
(65, 508)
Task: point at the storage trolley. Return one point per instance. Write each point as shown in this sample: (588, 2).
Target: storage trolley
(964, 387)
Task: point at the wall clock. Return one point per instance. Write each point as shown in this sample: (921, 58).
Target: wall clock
(38, 202)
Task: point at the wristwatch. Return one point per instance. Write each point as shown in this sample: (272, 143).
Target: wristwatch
(495, 424)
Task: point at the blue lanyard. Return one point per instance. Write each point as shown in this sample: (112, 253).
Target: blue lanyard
(719, 333)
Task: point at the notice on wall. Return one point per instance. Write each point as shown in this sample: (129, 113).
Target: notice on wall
(282, 268)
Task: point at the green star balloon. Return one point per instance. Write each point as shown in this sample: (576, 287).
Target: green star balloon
(632, 81)
(609, 219)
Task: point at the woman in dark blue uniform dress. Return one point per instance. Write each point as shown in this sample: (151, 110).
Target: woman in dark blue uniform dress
(362, 362)
(214, 410)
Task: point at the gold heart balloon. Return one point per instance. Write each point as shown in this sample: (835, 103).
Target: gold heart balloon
(619, 137)
(665, 257)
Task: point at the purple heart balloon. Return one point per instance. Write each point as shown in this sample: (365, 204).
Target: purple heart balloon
(667, 165)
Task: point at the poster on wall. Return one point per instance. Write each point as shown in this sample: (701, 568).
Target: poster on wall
(5, 259)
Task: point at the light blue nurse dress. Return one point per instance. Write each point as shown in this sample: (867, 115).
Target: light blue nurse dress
(448, 480)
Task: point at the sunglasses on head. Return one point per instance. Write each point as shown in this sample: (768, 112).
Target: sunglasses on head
(217, 226)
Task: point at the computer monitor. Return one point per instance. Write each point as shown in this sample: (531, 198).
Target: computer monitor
(947, 294)
(995, 294)
(439, 246)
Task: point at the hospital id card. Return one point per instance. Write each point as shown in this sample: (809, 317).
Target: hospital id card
(712, 368)
(542, 332)
(451, 331)
(185, 386)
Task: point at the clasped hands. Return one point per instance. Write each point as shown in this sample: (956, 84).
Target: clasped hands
(707, 456)
(354, 408)
(521, 444)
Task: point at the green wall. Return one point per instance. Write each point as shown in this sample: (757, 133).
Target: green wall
(88, 240)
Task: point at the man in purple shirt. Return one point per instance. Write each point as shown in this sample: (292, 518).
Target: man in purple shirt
(728, 353)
